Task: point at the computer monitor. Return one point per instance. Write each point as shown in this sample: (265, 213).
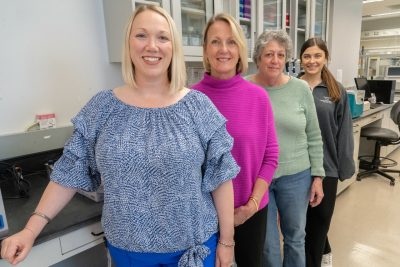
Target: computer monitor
(384, 90)
(392, 72)
(362, 84)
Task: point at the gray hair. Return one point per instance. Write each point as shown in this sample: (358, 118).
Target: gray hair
(279, 36)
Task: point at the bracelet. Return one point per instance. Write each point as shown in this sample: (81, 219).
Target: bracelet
(227, 245)
(30, 230)
(254, 201)
(44, 216)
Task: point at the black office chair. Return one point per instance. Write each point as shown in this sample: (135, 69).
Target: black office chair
(383, 137)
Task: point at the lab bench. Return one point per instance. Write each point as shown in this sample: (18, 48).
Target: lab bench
(378, 117)
(75, 229)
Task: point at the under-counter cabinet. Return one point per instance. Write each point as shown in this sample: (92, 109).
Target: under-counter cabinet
(356, 137)
(378, 117)
(62, 248)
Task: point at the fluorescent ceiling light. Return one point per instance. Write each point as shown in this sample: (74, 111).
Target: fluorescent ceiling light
(385, 14)
(371, 1)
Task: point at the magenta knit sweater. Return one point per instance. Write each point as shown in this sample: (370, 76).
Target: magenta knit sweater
(251, 124)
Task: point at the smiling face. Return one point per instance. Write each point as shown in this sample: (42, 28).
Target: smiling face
(150, 45)
(272, 60)
(221, 50)
(313, 60)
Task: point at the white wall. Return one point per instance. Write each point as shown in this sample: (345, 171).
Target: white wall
(344, 38)
(53, 59)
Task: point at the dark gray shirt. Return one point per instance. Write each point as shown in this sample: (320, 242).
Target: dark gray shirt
(336, 131)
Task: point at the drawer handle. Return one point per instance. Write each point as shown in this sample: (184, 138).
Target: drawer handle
(97, 234)
(356, 125)
(355, 132)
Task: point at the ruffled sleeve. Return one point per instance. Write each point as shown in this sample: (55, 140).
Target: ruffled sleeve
(77, 168)
(219, 165)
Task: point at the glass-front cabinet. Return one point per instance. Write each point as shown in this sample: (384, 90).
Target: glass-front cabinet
(191, 17)
(319, 17)
(302, 25)
(300, 18)
(305, 19)
(272, 15)
(162, 3)
(246, 20)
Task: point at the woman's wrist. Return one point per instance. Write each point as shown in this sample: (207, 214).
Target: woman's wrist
(255, 202)
(227, 244)
(31, 232)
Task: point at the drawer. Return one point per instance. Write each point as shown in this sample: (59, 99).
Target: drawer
(369, 119)
(80, 237)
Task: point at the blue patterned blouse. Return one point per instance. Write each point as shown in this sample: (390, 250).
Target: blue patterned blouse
(158, 166)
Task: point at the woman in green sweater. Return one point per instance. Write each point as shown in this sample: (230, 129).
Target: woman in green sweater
(298, 180)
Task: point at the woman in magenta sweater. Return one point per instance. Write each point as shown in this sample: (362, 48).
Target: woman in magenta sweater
(250, 122)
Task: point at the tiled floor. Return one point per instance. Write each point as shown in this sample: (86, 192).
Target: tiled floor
(365, 229)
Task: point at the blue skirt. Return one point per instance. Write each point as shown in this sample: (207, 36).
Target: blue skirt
(124, 258)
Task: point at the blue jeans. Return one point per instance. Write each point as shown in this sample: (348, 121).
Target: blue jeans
(289, 195)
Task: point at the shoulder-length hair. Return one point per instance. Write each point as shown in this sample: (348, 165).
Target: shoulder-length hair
(176, 70)
(238, 36)
(279, 36)
(326, 76)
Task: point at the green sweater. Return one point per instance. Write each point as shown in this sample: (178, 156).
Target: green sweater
(296, 122)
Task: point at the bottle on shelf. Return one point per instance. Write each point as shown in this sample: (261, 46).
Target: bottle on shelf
(241, 8)
(247, 9)
(287, 19)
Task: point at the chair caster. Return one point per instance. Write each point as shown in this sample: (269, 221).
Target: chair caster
(392, 183)
(358, 178)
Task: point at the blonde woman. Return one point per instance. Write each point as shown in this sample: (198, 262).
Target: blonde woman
(163, 153)
(251, 124)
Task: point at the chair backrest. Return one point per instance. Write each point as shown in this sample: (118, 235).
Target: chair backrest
(395, 113)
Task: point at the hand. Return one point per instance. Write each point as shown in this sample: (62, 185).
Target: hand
(15, 248)
(224, 257)
(317, 193)
(243, 213)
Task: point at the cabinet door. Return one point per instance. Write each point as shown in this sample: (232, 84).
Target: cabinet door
(191, 17)
(319, 18)
(272, 15)
(138, 3)
(356, 137)
(297, 22)
(303, 19)
(388, 123)
(302, 25)
(247, 20)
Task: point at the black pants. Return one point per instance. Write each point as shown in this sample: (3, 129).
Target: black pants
(318, 222)
(249, 239)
